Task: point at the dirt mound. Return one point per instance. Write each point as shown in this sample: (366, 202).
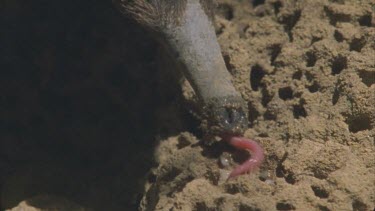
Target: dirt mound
(307, 71)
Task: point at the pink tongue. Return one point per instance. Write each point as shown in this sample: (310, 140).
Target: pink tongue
(253, 162)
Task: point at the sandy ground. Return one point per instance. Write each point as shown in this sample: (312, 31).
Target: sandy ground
(79, 132)
(307, 70)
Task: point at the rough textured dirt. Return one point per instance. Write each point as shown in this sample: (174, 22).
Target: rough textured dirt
(85, 98)
(307, 71)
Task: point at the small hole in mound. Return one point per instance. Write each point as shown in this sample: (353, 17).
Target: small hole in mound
(335, 17)
(266, 97)
(338, 64)
(274, 52)
(320, 192)
(314, 87)
(289, 22)
(228, 63)
(280, 169)
(258, 2)
(284, 206)
(286, 93)
(242, 29)
(358, 205)
(359, 123)
(299, 111)
(357, 44)
(323, 208)
(276, 6)
(263, 135)
(315, 39)
(225, 11)
(367, 77)
(290, 179)
(247, 207)
(180, 185)
(365, 20)
(335, 96)
(338, 36)
(203, 206)
(232, 189)
(309, 76)
(151, 177)
(171, 175)
(256, 75)
(281, 172)
(337, 1)
(320, 173)
(253, 114)
(183, 142)
(269, 115)
(297, 75)
(310, 59)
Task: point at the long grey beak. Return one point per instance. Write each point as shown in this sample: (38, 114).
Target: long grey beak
(193, 44)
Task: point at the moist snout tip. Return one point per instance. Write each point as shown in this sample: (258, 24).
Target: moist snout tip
(232, 120)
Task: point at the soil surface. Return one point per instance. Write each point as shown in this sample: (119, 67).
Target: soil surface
(92, 118)
(307, 70)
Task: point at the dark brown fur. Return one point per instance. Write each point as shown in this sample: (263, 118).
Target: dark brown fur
(155, 14)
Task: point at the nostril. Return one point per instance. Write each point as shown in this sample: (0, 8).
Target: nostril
(234, 117)
(230, 115)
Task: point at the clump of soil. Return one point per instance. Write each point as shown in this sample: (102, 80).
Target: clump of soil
(307, 70)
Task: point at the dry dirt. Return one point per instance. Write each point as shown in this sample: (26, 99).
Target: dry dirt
(86, 111)
(307, 70)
